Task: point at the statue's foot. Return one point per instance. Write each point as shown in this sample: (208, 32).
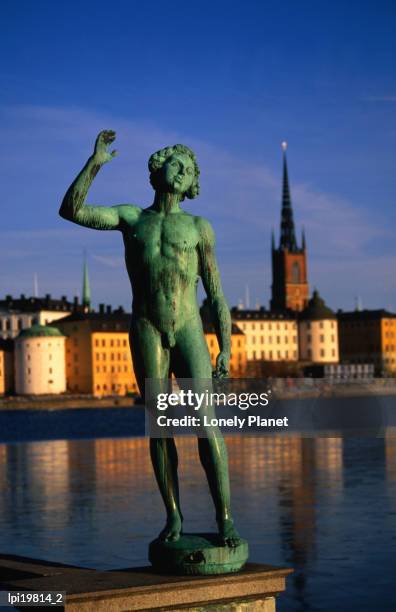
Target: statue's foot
(172, 530)
(228, 534)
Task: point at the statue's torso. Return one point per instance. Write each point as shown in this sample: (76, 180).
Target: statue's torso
(161, 253)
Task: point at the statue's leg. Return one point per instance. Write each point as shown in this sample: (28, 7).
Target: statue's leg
(151, 360)
(191, 359)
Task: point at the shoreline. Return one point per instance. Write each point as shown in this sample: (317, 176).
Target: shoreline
(70, 402)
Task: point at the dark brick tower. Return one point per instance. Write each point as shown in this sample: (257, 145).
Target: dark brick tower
(290, 288)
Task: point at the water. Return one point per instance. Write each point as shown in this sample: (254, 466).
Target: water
(325, 506)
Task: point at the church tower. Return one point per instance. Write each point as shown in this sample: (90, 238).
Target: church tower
(290, 288)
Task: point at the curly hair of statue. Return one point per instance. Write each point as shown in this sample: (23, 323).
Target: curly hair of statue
(158, 159)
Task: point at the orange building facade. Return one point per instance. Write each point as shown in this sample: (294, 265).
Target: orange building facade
(98, 358)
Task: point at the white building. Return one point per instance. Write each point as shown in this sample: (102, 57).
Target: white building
(318, 332)
(269, 336)
(21, 313)
(40, 361)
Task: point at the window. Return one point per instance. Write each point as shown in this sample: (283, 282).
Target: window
(96, 342)
(50, 370)
(321, 325)
(254, 354)
(111, 342)
(103, 342)
(278, 339)
(321, 338)
(296, 272)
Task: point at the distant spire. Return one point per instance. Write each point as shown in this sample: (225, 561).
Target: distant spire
(358, 303)
(303, 242)
(247, 296)
(288, 236)
(35, 285)
(86, 292)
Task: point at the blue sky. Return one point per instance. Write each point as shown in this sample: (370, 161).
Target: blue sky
(231, 80)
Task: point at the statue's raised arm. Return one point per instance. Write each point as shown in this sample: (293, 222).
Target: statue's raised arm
(73, 207)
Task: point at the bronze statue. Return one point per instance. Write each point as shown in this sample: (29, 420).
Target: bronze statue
(166, 251)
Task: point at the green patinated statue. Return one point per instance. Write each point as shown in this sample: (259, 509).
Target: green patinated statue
(166, 251)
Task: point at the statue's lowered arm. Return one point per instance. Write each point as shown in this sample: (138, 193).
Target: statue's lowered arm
(211, 280)
(73, 207)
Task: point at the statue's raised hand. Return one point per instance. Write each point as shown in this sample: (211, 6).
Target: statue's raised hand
(101, 154)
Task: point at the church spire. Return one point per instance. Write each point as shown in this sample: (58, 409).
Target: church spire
(86, 291)
(287, 236)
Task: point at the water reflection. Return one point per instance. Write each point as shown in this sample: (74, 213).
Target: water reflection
(325, 506)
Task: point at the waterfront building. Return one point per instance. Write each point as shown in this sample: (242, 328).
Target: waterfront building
(318, 332)
(98, 359)
(270, 336)
(238, 349)
(40, 361)
(369, 336)
(238, 342)
(21, 313)
(6, 366)
(290, 289)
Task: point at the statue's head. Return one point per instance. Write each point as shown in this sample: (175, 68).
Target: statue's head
(175, 170)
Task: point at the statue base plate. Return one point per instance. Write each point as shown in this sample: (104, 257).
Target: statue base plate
(197, 554)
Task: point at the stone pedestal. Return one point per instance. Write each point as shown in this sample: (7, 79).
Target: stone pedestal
(252, 589)
(197, 554)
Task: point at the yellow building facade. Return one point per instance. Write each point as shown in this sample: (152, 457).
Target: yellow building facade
(6, 366)
(98, 358)
(238, 350)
